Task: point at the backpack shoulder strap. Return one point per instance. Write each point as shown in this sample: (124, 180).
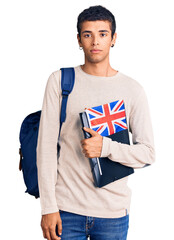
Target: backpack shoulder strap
(67, 84)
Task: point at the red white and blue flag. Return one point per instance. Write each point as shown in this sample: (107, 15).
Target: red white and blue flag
(108, 118)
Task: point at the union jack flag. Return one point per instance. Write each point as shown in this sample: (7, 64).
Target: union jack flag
(108, 118)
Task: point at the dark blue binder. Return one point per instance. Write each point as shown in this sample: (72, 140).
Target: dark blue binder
(105, 170)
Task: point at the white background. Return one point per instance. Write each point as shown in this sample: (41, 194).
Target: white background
(39, 37)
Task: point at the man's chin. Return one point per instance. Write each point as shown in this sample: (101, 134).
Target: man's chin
(95, 60)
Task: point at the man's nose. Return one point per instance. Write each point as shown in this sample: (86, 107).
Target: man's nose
(95, 40)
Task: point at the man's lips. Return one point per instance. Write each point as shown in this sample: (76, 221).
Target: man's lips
(95, 50)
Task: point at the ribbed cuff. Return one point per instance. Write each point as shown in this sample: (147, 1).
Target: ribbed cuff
(49, 210)
(105, 147)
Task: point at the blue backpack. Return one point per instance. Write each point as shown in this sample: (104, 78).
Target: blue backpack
(29, 133)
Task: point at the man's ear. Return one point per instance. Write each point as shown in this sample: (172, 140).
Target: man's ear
(114, 38)
(78, 38)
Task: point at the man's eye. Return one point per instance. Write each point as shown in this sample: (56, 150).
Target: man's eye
(86, 35)
(103, 34)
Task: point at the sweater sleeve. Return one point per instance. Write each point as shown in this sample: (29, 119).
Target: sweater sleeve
(47, 146)
(142, 152)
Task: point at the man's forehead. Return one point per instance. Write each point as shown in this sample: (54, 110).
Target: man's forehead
(96, 25)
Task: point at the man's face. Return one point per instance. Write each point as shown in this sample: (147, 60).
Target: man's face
(96, 35)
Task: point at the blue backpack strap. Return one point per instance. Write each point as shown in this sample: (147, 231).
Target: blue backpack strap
(67, 83)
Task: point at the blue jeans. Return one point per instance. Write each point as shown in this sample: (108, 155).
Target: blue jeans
(79, 227)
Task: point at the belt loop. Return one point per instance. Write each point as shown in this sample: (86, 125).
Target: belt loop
(126, 212)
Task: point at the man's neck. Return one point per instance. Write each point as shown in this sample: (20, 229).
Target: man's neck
(100, 69)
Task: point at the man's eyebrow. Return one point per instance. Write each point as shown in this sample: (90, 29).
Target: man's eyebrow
(86, 31)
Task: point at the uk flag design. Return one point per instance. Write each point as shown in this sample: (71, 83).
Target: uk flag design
(108, 118)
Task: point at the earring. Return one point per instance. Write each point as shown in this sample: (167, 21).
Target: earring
(112, 45)
(80, 48)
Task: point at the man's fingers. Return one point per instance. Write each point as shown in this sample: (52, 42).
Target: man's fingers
(53, 235)
(44, 235)
(59, 227)
(48, 237)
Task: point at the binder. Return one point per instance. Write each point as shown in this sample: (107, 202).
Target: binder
(108, 120)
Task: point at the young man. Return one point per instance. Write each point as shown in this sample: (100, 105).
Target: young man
(72, 207)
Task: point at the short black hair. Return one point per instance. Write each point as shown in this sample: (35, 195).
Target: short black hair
(95, 13)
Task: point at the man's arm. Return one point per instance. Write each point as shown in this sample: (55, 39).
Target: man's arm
(142, 152)
(47, 146)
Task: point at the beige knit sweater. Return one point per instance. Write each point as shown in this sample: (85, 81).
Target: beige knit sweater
(66, 183)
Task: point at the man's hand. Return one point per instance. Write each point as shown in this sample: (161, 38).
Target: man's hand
(92, 146)
(48, 225)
